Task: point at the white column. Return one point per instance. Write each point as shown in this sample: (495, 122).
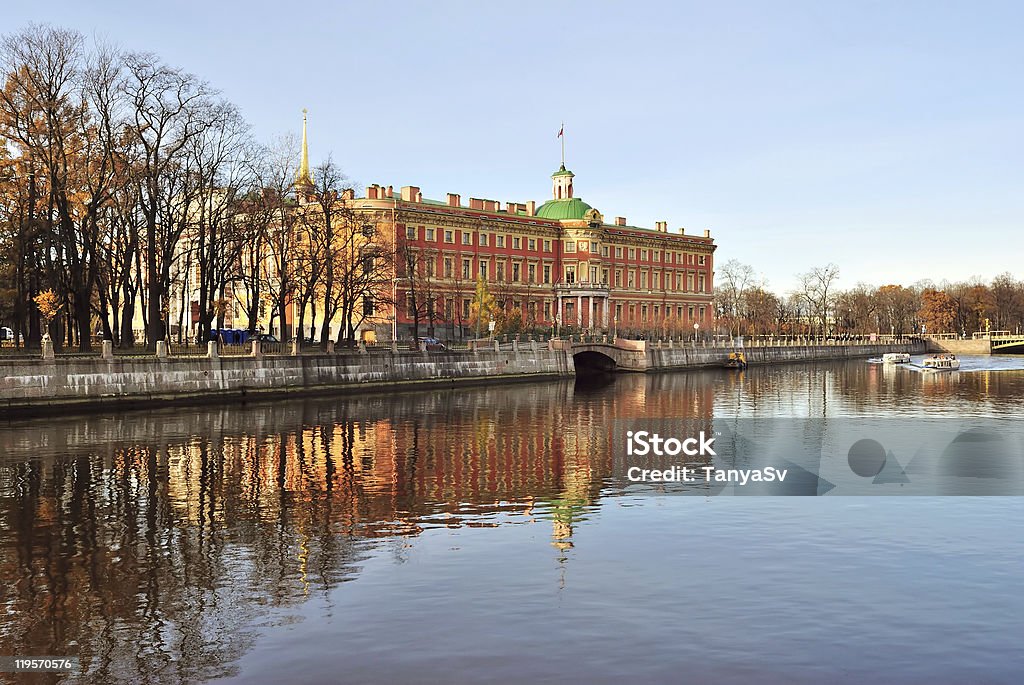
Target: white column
(579, 310)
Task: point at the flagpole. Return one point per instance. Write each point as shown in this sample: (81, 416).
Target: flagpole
(563, 143)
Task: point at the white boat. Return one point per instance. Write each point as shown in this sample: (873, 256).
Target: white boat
(896, 358)
(941, 362)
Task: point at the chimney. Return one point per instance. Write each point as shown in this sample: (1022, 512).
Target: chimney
(476, 203)
(682, 230)
(390, 193)
(531, 208)
(454, 200)
(408, 193)
(348, 194)
(419, 196)
(707, 232)
(620, 221)
(491, 205)
(371, 192)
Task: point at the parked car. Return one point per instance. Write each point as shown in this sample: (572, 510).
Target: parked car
(432, 344)
(6, 334)
(264, 337)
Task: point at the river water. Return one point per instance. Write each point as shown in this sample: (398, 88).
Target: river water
(488, 535)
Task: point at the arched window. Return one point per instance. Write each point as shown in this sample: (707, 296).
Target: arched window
(559, 191)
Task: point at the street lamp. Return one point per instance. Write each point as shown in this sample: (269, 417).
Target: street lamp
(696, 329)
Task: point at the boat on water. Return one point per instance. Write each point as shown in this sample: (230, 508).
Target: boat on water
(941, 362)
(736, 360)
(895, 358)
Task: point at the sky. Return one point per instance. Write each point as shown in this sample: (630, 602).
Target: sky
(885, 138)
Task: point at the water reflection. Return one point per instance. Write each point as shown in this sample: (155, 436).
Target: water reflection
(151, 544)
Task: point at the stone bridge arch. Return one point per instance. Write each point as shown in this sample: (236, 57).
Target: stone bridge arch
(593, 361)
(621, 356)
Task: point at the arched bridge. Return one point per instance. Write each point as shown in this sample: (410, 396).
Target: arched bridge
(1005, 344)
(620, 355)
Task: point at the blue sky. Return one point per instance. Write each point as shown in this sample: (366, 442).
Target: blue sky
(883, 137)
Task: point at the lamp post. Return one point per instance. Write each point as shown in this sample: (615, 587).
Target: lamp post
(696, 329)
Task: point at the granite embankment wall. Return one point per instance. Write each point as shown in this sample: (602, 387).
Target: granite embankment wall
(663, 358)
(960, 346)
(38, 385)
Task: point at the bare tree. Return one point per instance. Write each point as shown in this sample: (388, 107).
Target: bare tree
(168, 109)
(817, 290)
(735, 279)
(274, 217)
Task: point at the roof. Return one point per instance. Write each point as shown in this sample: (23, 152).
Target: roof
(572, 208)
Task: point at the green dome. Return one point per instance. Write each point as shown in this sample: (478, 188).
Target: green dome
(573, 208)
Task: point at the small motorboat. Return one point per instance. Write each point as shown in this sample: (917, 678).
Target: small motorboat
(941, 362)
(895, 358)
(736, 360)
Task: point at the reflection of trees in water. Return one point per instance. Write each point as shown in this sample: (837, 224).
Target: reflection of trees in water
(149, 563)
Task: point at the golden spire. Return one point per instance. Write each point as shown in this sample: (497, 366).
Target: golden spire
(304, 178)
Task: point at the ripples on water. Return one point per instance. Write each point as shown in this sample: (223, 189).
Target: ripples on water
(475, 535)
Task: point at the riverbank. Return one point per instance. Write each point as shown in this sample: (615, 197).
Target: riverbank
(681, 357)
(48, 386)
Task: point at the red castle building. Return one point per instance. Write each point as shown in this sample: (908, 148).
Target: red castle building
(560, 264)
